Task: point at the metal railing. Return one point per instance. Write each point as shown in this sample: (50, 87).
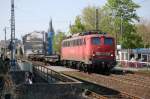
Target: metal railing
(52, 76)
(136, 64)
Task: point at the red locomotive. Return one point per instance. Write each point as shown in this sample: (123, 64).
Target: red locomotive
(90, 51)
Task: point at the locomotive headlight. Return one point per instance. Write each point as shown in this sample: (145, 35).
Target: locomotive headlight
(111, 55)
(93, 55)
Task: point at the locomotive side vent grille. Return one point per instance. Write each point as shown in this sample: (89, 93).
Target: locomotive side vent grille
(103, 53)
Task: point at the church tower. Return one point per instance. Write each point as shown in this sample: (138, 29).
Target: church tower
(50, 37)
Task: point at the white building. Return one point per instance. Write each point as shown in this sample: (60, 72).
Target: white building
(33, 43)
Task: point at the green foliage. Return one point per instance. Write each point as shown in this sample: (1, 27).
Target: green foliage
(117, 18)
(89, 17)
(143, 29)
(77, 27)
(124, 12)
(124, 8)
(57, 41)
(131, 40)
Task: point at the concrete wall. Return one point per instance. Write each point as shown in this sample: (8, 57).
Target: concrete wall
(48, 91)
(40, 89)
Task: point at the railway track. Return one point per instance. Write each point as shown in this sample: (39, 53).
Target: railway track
(133, 78)
(133, 90)
(138, 76)
(94, 95)
(100, 92)
(136, 87)
(122, 95)
(126, 80)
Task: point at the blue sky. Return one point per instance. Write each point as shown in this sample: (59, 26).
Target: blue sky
(35, 14)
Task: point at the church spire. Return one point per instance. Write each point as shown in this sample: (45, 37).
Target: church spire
(51, 27)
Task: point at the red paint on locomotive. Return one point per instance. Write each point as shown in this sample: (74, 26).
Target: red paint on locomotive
(94, 49)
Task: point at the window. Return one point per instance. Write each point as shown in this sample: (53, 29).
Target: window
(96, 40)
(108, 41)
(75, 42)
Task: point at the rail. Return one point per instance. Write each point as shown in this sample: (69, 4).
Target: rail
(95, 95)
(106, 82)
(129, 96)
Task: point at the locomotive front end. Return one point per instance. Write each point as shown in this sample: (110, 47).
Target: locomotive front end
(102, 52)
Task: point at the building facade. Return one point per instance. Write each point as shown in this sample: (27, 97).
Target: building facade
(33, 43)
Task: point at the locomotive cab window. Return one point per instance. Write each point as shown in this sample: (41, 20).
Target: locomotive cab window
(96, 40)
(108, 41)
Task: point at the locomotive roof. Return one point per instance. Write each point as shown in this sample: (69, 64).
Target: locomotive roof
(83, 36)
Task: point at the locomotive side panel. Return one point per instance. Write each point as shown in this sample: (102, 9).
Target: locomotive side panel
(74, 51)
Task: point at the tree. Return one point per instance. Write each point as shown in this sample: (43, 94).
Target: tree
(105, 20)
(135, 41)
(57, 41)
(125, 9)
(77, 27)
(89, 17)
(117, 18)
(87, 20)
(143, 29)
(125, 14)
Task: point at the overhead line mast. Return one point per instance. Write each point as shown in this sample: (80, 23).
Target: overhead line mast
(97, 21)
(13, 60)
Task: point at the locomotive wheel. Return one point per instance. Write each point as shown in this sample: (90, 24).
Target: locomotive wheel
(79, 66)
(67, 64)
(82, 67)
(74, 65)
(89, 68)
(98, 69)
(107, 71)
(85, 68)
(64, 63)
(70, 64)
